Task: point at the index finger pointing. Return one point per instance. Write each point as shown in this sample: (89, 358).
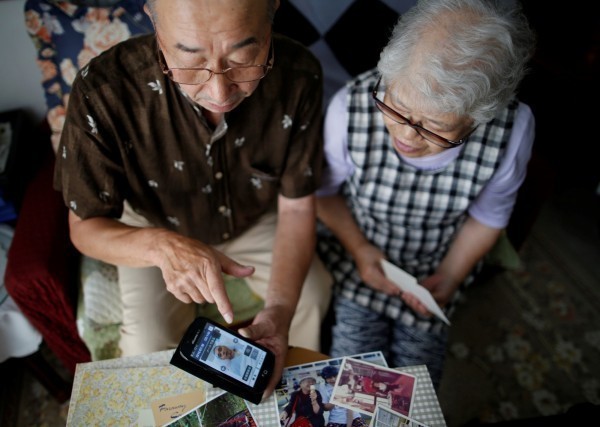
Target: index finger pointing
(216, 287)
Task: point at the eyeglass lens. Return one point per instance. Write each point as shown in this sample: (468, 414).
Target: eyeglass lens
(194, 76)
(236, 74)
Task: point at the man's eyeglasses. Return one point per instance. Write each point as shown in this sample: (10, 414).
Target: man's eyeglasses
(197, 76)
(430, 136)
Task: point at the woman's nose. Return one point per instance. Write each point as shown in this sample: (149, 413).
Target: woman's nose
(407, 132)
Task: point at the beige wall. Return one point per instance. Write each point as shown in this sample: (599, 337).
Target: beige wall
(19, 76)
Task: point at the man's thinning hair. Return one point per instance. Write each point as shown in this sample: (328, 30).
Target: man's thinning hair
(475, 64)
(270, 10)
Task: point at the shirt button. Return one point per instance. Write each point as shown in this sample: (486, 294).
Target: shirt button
(219, 175)
(222, 208)
(225, 236)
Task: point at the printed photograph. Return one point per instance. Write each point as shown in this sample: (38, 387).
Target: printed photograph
(385, 417)
(189, 420)
(226, 410)
(304, 394)
(363, 386)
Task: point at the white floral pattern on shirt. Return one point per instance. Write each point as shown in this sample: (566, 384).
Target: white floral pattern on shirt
(178, 164)
(92, 124)
(287, 121)
(156, 86)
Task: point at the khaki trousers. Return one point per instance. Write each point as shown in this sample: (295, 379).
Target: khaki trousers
(154, 320)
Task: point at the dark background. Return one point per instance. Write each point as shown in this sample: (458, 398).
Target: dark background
(562, 88)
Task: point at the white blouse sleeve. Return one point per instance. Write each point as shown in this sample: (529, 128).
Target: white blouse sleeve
(495, 203)
(338, 165)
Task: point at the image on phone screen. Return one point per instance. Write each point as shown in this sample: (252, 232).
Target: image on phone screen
(228, 354)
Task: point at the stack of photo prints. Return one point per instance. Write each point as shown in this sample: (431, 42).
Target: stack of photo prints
(359, 386)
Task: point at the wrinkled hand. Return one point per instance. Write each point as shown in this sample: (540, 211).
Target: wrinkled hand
(193, 271)
(265, 330)
(442, 288)
(368, 261)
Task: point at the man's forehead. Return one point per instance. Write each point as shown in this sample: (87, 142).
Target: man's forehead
(196, 26)
(200, 48)
(214, 11)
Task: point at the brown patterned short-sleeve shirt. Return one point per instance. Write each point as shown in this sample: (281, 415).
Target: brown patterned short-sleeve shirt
(132, 134)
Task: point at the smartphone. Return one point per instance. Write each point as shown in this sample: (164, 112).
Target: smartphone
(225, 359)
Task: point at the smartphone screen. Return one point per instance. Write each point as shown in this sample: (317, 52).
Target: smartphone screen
(227, 353)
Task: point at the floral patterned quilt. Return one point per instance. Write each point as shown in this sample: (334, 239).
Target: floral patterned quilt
(67, 36)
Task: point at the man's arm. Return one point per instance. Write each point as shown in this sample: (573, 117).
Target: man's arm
(191, 269)
(293, 249)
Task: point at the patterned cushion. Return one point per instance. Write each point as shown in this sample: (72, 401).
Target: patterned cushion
(100, 291)
(68, 35)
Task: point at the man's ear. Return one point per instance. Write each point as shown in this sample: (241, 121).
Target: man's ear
(149, 13)
(277, 3)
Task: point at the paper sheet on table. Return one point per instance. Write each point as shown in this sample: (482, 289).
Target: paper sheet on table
(408, 283)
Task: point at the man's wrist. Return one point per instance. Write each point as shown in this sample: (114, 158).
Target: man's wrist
(280, 313)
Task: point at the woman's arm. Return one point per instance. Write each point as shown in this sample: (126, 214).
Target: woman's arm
(473, 241)
(335, 214)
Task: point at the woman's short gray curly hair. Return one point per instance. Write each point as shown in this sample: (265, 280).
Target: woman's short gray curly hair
(465, 57)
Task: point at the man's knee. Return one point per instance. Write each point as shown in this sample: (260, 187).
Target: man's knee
(150, 333)
(153, 319)
(312, 308)
(316, 291)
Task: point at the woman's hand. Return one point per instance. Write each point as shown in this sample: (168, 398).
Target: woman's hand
(442, 289)
(368, 261)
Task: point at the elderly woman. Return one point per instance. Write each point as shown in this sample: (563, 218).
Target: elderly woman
(425, 155)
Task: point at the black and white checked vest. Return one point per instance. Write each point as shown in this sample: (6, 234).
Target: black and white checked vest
(411, 214)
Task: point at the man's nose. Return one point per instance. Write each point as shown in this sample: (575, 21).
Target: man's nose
(218, 87)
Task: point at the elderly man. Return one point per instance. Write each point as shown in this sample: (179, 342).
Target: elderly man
(195, 152)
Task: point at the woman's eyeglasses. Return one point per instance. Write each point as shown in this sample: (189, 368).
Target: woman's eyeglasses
(430, 136)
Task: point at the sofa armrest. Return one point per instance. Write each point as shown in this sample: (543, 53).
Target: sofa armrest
(42, 266)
